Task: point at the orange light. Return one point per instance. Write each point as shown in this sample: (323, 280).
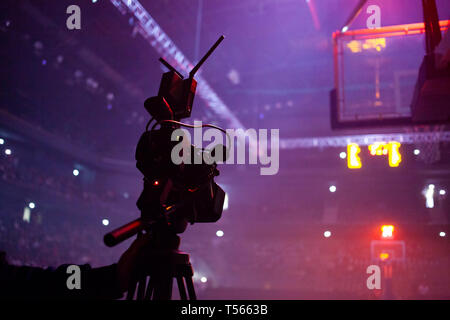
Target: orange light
(353, 160)
(384, 256)
(377, 44)
(387, 231)
(378, 148)
(391, 149)
(354, 46)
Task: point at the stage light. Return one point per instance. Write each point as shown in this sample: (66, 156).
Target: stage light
(94, 1)
(416, 152)
(327, 234)
(342, 155)
(219, 233)
(442, 192)
(203, 279)
(387, 231)
(26, 214)
(332, 189)
(344, 29)
(8, 152)
(32, 205)
(2, 141)
(225, 202)
(105, 222)
(429, 196)
(44, 62)
(442, 234)
(75, 172)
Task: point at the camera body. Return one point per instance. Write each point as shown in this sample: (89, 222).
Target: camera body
(174, 194)
(188, 187)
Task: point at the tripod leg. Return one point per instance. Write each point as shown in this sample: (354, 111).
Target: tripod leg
(131, 290)
(181, 288)
(141, 288)
(190, 287)
(163, 288)
(150, 289)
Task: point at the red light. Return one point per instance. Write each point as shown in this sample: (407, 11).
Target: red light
(387, 231)
(156, 183)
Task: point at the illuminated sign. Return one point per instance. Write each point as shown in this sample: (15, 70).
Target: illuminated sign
(377, 44)
(353, 160)
(390, 149)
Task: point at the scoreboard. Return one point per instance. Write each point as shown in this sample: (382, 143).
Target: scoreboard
(390, 150)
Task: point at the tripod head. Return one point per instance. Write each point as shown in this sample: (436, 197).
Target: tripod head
(174, 194)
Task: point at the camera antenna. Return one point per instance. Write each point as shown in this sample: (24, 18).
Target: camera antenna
(206, 56)
(168, 66)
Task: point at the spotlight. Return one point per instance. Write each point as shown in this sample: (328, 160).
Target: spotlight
(429, 196)
(442, 192)
(219, 233)
(225, 202)
(332, 189)
(342, 155)
(31, 205)
(8, 152)
(442, 234)
(344, 29)
(327, 234)
(203, 279)
(75, 172)
(105, 222)
(416, 152)
(2, 141)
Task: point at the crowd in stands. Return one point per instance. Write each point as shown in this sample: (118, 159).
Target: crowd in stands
(333, 268)
(63, 186)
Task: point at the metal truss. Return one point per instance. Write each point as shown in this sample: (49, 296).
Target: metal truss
(161, 42)
(365, 139)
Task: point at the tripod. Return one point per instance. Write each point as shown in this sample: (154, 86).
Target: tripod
(165, 262)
